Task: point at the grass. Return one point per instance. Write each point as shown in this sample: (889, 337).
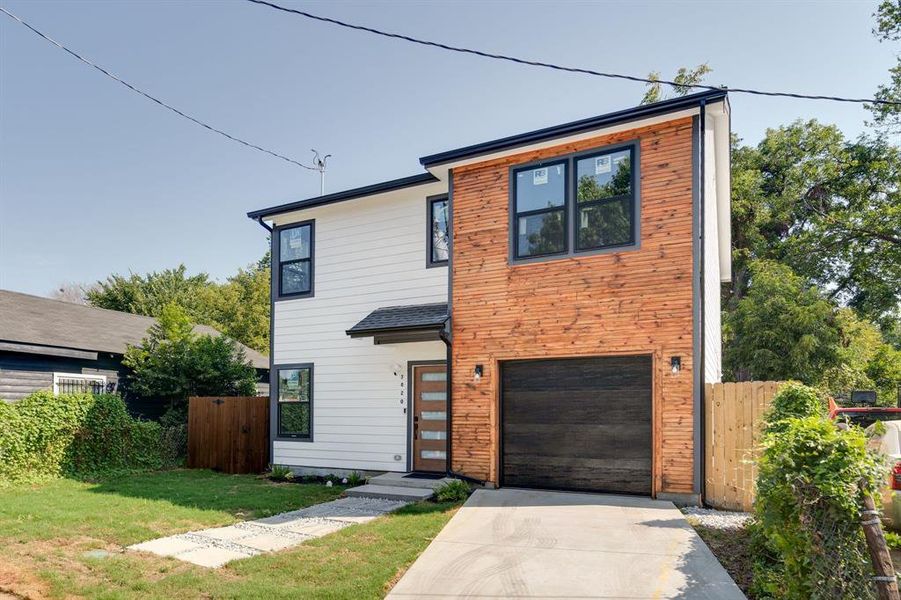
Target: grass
(47, 533)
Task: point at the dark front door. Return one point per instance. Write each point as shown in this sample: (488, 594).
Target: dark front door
(580, 424)
(430, 418)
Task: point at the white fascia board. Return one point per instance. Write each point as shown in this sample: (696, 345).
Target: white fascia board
(722, 152)
(441, 170)
(423, 191)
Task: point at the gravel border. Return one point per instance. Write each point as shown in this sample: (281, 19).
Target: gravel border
(717, 519)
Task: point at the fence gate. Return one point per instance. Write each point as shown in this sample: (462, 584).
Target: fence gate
(733, 417)
(229, 434)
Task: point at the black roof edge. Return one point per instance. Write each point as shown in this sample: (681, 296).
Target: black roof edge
(368, 331)
(574, 127)
(368, 190)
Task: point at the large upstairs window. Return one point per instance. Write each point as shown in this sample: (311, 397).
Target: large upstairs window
(439, 232)
(581, 203)
(294, 271)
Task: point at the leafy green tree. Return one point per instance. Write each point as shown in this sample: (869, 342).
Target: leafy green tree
(686, 77)
(173, 363)
(887, 117)
(148, 294)
(781, 329)
(239, 308)
(828, 208)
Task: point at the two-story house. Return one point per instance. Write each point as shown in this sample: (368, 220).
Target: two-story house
(540, 310)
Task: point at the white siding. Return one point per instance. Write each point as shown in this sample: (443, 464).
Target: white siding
(369, 253)
(713, 331)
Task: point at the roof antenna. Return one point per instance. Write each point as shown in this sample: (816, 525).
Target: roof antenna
(320, 166)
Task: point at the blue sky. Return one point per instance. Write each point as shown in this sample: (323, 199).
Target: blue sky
(96, 180)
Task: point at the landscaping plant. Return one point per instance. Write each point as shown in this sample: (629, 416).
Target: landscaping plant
(455, 490)
(280, 473)
(83, 435)
(812, 477)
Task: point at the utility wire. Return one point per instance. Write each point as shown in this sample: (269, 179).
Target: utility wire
(152, 98)
(584, 71)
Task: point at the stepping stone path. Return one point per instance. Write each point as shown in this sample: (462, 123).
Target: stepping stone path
(219, 545)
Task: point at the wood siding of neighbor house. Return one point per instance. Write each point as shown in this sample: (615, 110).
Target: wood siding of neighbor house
(634, 302)
(369, 253)
(22, 374)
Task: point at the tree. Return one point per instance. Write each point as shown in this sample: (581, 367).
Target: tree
(686, 78)
(781, 329)
(828, 208)
(887, 117)
(148, 294)
(239, 308)
(173, 363)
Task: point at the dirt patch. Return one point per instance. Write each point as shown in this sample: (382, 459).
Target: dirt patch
(732, 547)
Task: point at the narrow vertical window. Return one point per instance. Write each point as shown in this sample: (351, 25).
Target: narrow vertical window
(604, 200)
(539, 200)
(295, 260)
(439, 232)
(294, 394)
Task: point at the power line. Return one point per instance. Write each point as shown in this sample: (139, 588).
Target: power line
(154, 99)
(584, 71)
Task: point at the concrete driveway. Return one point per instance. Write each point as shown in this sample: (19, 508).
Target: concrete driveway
(513, 543)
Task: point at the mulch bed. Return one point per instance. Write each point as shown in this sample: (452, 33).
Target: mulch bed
(732, 547)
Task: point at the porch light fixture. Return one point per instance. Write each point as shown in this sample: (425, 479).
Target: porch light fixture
(478, 373)
(675, 363)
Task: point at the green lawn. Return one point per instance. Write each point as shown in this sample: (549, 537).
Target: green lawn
(48, 533)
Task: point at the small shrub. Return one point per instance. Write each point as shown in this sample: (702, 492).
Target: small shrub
(355, 479)
(280, 473)
(455, 490)
(893, 540)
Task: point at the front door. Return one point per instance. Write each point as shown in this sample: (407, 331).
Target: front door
(430, 418)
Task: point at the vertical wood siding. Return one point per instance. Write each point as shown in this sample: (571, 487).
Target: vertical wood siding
(625, 303)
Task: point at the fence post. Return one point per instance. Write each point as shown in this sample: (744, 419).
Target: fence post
(886, 581)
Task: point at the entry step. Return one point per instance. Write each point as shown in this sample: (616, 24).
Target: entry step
(390, 492)
(408, 480)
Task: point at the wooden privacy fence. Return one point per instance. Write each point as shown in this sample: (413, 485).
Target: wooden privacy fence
(733, 414)
(228, 434)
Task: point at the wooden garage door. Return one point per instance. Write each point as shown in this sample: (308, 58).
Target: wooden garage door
(578, 424)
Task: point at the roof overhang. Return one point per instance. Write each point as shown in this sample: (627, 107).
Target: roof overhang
(47, 350)
(360, 192)
(399, 324)
(640, 116)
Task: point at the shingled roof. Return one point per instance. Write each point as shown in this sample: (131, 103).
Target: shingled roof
(402, 318)
(37, 321)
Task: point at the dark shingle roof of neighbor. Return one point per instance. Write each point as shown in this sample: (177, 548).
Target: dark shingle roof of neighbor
(28, 319)
(393, 318)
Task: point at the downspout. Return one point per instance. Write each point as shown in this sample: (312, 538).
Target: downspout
(263, 223)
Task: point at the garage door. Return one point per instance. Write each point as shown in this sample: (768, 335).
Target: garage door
(578, 424)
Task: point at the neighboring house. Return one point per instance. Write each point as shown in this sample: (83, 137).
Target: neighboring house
(53, 345)
(568, 276)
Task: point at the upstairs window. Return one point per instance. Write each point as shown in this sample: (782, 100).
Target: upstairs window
(540, 206)
(439, 232)
(580, 203)
(294, 393)
(604, 200)
(295, 260)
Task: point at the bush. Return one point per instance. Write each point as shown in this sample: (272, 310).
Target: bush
(45, 436)
(793, 400)
(455, 490)
(811, 480)
(280, 473)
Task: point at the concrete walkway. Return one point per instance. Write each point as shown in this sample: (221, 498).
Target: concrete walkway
(219, 545)
(513, 543)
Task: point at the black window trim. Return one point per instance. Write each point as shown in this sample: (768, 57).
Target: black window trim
(276, 414)
(430, 202)
(545, 163)
(277, 262)
(577, 206)
(571, 204)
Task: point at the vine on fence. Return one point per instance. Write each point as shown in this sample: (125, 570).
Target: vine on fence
(45, 436)
(811, 480)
